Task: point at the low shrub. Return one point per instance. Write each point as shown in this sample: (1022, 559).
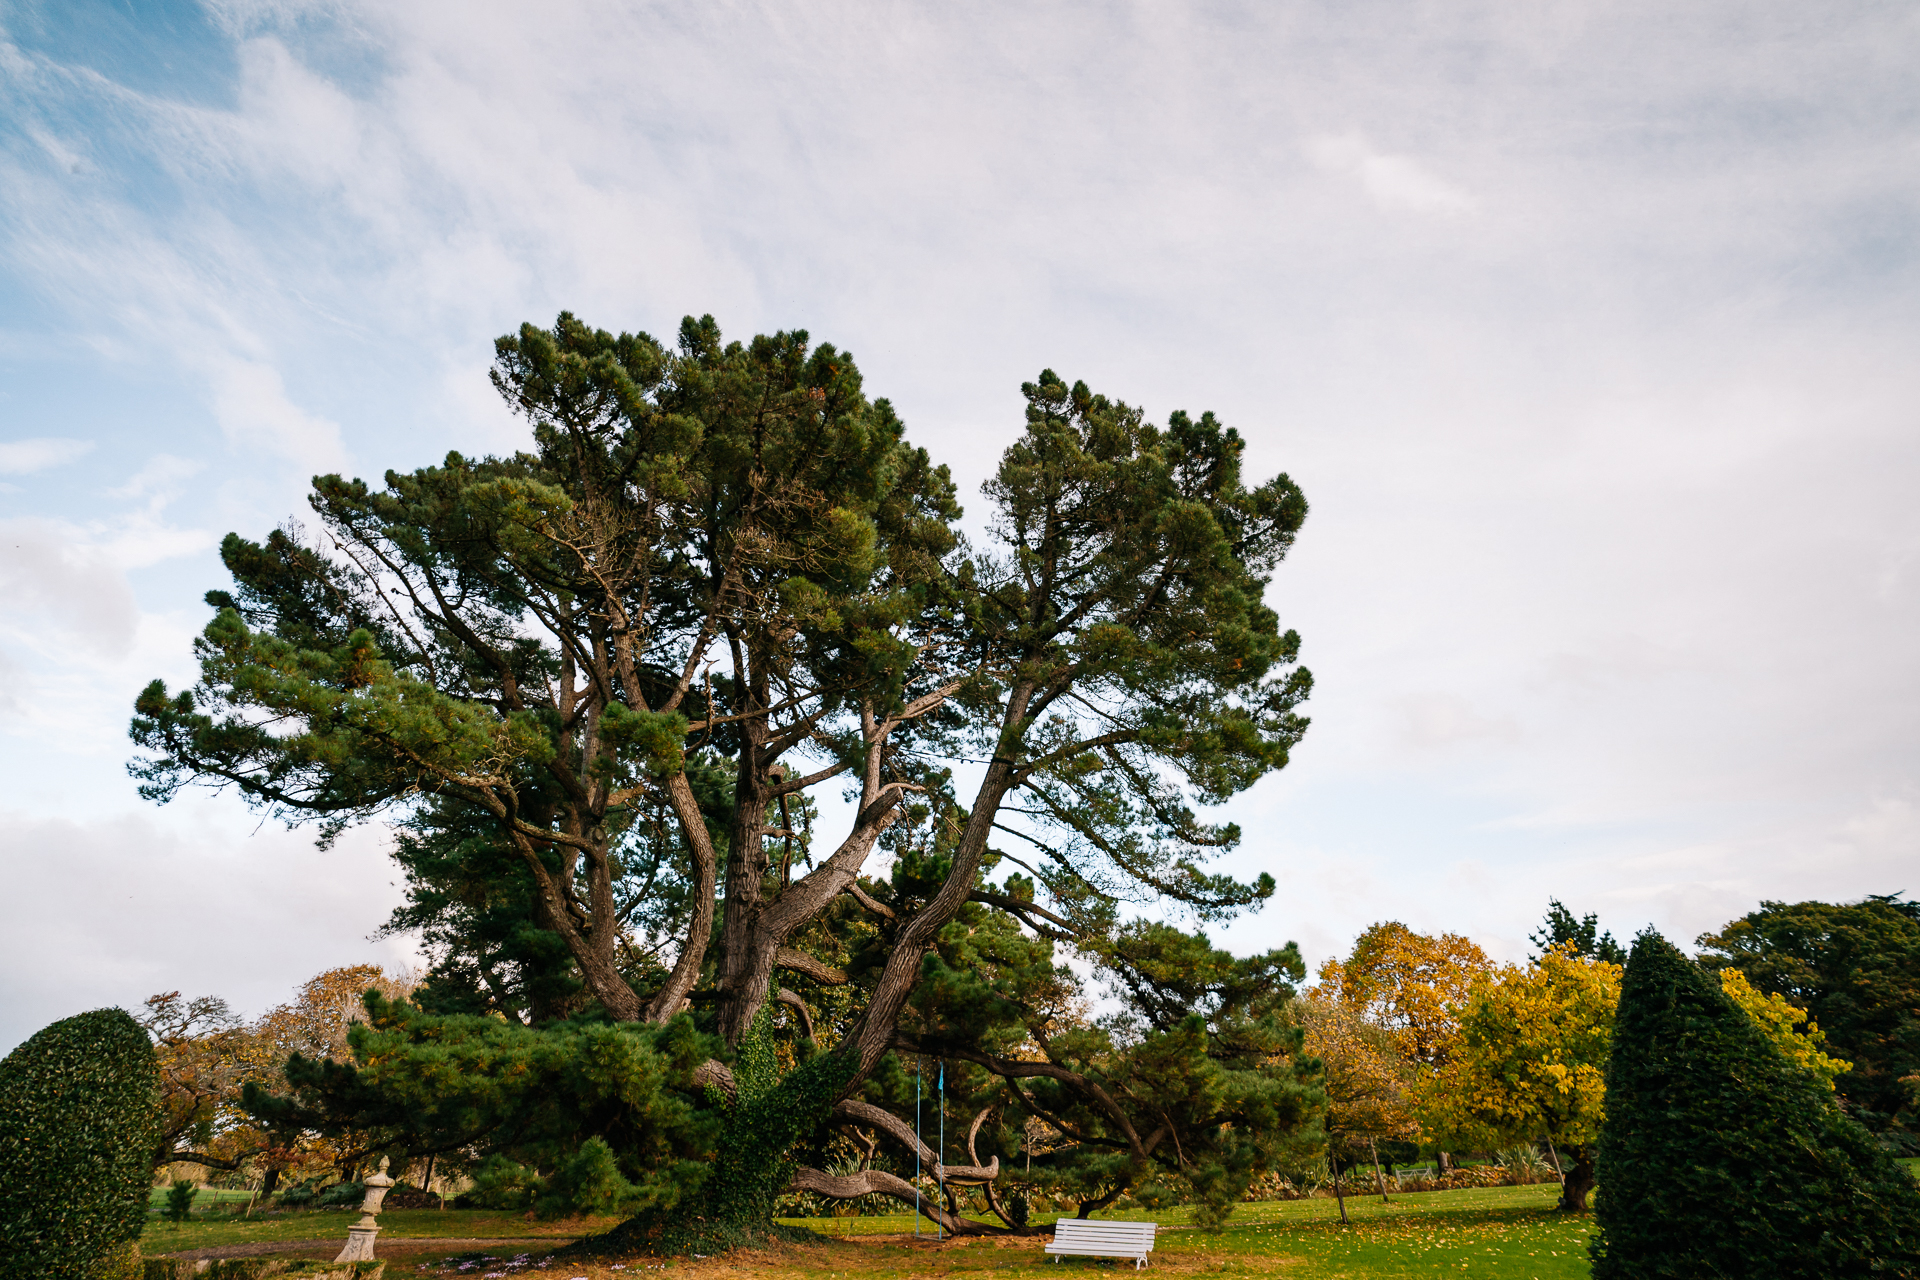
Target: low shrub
(79, 1121)
(342, 1195)
(261, 1269)
(404, 1195)
(1463, 1179)
(122, 1263)
(180, 1201)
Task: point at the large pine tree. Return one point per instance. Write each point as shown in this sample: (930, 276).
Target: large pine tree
(599, 680)
(1722, 1158)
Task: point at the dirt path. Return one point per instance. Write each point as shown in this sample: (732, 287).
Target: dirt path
(390, 1247)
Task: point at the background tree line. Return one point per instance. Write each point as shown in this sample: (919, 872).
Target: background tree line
(1424, 1041)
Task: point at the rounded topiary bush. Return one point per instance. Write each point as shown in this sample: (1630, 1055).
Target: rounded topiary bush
(79, 1116)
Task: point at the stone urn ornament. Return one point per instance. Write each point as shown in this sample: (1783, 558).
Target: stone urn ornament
(360, 1235)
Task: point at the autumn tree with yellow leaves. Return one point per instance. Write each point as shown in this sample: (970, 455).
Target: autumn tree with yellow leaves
(1795, 1034)
(1382, 1021)
(1409, 984)
(1529, 1063)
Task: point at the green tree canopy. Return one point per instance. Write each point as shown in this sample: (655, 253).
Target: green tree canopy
(1855, 968)
(1562, 929)
(597, 682)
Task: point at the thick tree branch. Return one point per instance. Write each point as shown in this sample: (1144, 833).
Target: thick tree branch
(878, 1182)
(1019, 1068)
(686, 970)
(792, 999)
(855, 1111)
(714, 1074)
(801, 962)
(878, 908)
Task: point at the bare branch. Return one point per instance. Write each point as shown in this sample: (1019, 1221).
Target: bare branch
(801, 962)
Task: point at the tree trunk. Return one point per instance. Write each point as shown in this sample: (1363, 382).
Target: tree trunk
(750, 1167)
(1578, 1180)
(1337, 1193)
(1088, 1206)
(1378, 1177)
(746, 953)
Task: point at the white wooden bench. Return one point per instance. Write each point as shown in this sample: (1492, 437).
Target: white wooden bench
(1083, 1237)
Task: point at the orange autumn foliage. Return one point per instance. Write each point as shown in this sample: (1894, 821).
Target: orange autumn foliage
(1409, 984)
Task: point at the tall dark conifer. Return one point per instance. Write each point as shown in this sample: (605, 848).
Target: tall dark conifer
(1722, 1158)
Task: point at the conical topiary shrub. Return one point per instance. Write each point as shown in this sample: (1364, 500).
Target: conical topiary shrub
(79, 1116)
(1720, 1157)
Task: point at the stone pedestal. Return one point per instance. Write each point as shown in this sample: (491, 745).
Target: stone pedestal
(361, 1235)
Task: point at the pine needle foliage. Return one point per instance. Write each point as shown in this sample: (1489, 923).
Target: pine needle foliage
(1721, 1157)
(79, 1114)
(596, 682)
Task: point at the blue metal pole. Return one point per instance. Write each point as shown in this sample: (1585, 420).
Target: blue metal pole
(943, 1139)
(916, 1147)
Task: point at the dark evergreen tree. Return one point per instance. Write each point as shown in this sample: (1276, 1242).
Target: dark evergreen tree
(1561, 929)
(728, 552)
(1720, 1157)
(1855, 969)
(79, 1116)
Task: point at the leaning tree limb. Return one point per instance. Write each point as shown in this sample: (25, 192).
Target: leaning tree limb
(787, 996)
(879, 1182)
(853, 1111)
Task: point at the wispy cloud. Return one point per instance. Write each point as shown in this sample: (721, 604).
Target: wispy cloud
(24, 457)
(1606, 415)
(1394, 181)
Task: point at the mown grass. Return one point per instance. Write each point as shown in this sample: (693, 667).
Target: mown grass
(203, 1198)
(1503, 1233)
(1497, 1232)
(220, 1229)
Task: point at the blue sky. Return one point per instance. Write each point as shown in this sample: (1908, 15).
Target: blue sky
(1587, 328)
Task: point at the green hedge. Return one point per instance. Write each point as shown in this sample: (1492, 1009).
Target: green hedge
(79, 1117)
(1722, 1158)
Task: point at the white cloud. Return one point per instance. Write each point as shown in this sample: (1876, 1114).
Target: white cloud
(1438, 720)
(1394, 182)
(24, 457)
(252, 407)
(160, 480)
(1611, 479)
(107, 911)
(65, 584)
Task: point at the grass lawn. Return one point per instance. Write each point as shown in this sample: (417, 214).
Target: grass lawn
(204, 1198)
(1503, 1233)
(222, 1230)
